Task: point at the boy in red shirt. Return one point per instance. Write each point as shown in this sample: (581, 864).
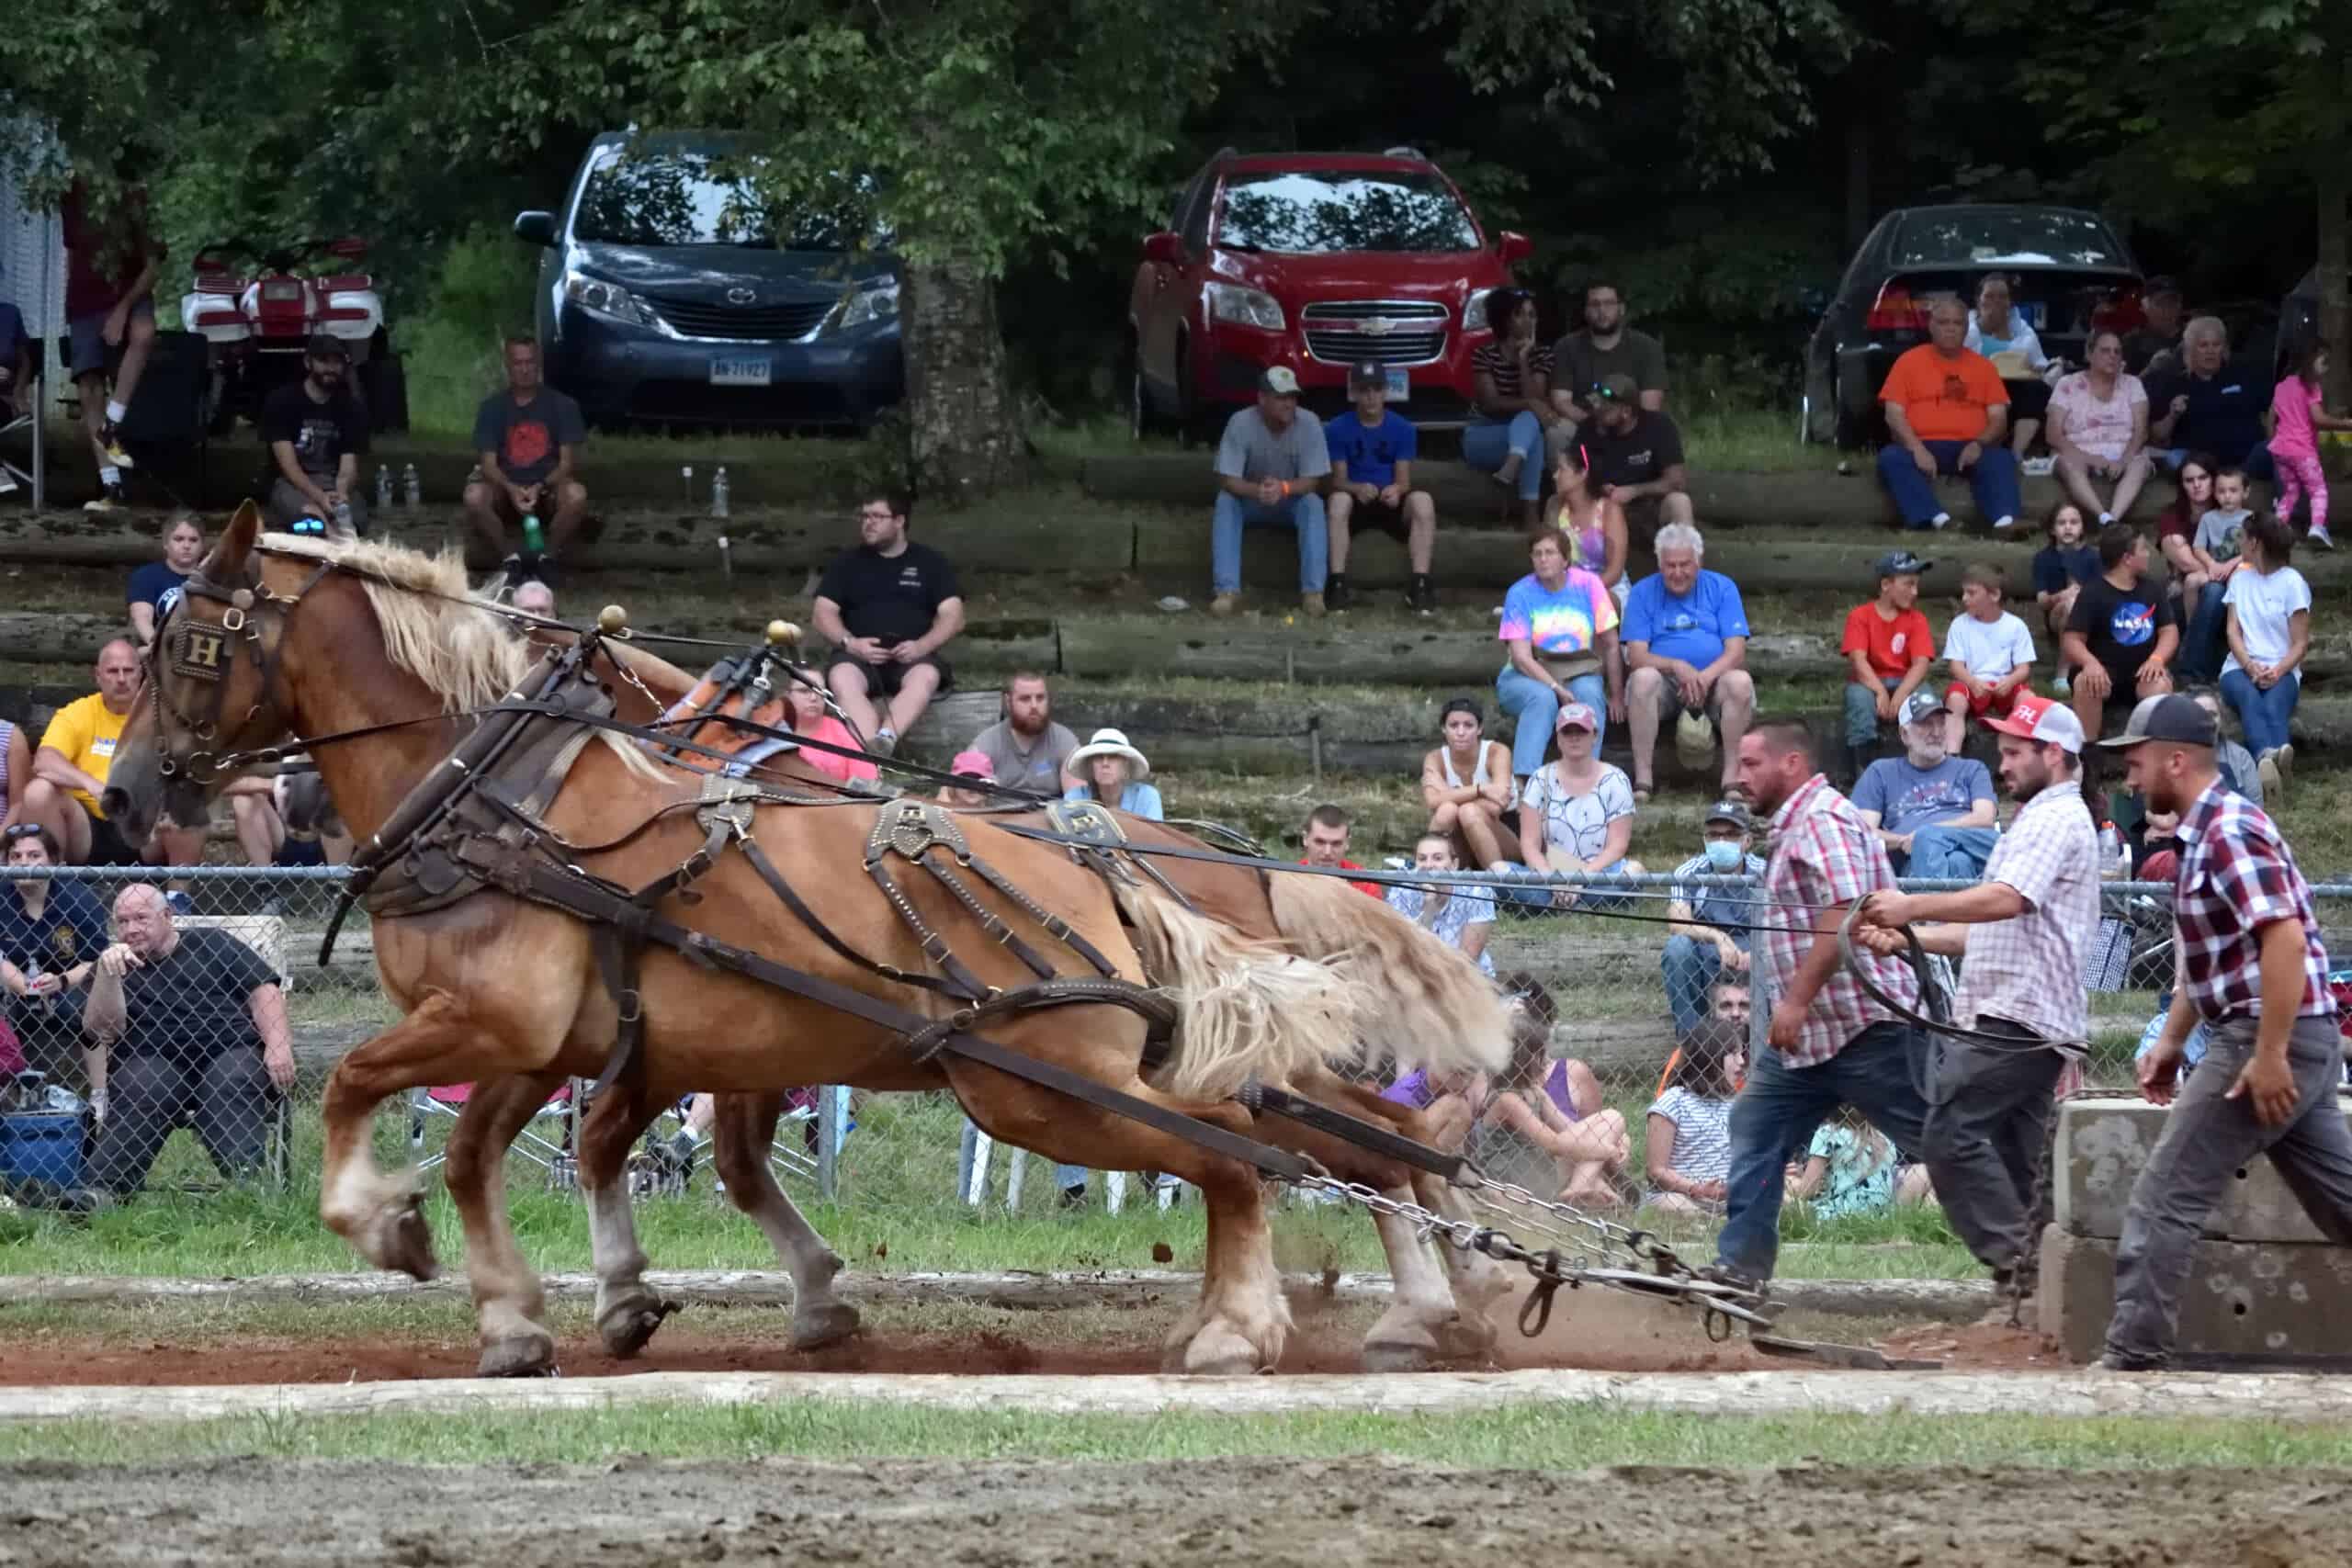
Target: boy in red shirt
(1887, 645)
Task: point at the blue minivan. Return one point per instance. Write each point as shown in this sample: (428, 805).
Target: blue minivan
(671, 293)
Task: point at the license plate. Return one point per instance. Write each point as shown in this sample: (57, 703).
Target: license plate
(739, 371)
(1400, 385)
(2031, 311)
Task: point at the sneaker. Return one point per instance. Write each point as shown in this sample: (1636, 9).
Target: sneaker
(2107, 519)
(2117, 1361)
(2274, 787)
(1335, 592)
(1311, 604)
(885, 742)
(1223, 604)
(1072, 1198)
(1940, 520)
(2040, 467)
(2063, 686)
(2004, 522)
(108, 499)
(2285, 757)
(1421, 596)
(110, 443)
(2318, 539)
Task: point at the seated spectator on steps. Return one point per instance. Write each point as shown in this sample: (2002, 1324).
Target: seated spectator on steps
(1604, 346)
(1372, 452)
(1687, 1147)
(193, 1030)
(1729, 1000)
(1707, 934)
(1517, 1133)
(51, 933)
(1460, 915)
(2123, 635)
(2239, 770)
(1466, 783)
(527, 438)
(2098, 429)
(1559, 633)
(2212, 561)
(1590, 524)
(1947, 413)
(888, 607)
(2060, 570)
(1685, 633)
(2211, 404)
(316, 432)
(1888, 646)
(1570, 1085)
(969, 765)
(534, 597)
(1990, 653)
(1512, 409)
(2190, 580)
(2002, 335)
(2152, 348)
(2269, 635)
(1933, 809)
(1114, 773)
(1325, 839)
(70, 774)
(155, 587)
(806, 704)
(1270, 470)
(1576, 812)
(1636, 457)
(1026, 747)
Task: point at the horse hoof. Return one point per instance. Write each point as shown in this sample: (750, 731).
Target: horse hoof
(1463, 1337)
(519, 1356)
(1218, 1351)
(1399, 1354)
(627, 1329)
(815, 1328)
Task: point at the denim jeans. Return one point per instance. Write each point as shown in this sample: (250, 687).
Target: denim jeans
(1064, 1176)
(1862, 711)
(1949, 851)
(1689, 966)
(2204, 640)
(1534, 706)
(1878, 1073)
(1303, 513)
(2264, 713)
(1486, 442)
(1993, 481)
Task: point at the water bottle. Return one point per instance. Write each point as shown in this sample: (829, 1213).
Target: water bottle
(534, 541)
(343, 519)
(383, 487)
(412, 486)
(2114, 855)
(686, 472)
(719, 492)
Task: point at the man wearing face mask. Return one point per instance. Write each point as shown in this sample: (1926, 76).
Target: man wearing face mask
(316, 434)
(1933, 811)
(1706, 933)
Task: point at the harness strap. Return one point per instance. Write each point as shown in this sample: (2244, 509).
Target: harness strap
(793, 901)
(1364, 1134)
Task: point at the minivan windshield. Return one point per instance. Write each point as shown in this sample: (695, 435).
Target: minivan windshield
(1315, 212)
(697, 199)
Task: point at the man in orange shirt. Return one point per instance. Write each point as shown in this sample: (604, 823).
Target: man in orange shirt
(1946, 413)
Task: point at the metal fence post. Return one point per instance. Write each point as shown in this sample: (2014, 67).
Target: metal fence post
(830, 1098)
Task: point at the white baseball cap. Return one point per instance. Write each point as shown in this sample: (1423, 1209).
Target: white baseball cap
(2042, 718)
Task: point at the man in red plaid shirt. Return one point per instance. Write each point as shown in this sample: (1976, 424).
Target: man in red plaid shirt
(1829, 1044)
(2250, 967)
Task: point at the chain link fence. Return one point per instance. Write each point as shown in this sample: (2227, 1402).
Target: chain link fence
(190, 1076)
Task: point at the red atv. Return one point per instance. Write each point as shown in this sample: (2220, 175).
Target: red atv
(257, 307)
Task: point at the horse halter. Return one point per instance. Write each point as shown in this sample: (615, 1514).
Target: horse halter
(206, 651)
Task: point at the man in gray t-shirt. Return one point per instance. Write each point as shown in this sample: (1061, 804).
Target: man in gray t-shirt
(1602, 347)
(1025, 747)
(1270, 470)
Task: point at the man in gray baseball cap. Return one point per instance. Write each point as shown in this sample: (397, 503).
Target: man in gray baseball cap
(1932, 810)
(1269, 471)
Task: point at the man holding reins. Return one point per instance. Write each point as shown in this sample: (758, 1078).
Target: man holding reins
(2021, 931)
(2251, 968)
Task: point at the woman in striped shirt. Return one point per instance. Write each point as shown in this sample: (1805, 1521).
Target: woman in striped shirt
(1505, 436)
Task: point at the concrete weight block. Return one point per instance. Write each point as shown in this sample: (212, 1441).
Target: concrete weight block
(2254, 1300)
(2102, 1147)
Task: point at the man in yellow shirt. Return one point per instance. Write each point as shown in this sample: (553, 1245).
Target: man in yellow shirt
(70, 774)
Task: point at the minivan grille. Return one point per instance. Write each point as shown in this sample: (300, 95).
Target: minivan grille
(1393, 332)
(697, 318)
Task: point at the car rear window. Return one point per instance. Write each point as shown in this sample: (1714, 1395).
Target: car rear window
(695, 198)
(2005, 237)
(1311, 213)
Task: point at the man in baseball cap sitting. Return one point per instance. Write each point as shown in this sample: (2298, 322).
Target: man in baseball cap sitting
(1269, 471)
(1372, 482)
(1932, 810)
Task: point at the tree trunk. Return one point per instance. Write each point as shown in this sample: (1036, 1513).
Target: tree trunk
(965, 439)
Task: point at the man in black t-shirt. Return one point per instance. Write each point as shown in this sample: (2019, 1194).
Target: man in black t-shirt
(315, 434)
(527, 439)
(888, 607)
(193, 1028)
(2122, 634)
(1635, 456)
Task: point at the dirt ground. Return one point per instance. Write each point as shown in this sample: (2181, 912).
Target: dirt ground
(1134, 1516)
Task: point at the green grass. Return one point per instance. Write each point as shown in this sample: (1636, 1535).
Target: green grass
(1524, 1436)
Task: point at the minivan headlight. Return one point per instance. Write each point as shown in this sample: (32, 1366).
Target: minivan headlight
(1245, 307)
(868, 305)
(609, 300)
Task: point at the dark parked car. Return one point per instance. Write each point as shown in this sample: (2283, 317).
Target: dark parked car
(671, 293)
(2072, 272)
(2299, 321)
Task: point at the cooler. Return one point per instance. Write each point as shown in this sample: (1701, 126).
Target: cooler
(42, 1145)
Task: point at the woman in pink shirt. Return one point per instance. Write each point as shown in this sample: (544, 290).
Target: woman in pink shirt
(2098, 428)
(810, 718)
(2296, 420)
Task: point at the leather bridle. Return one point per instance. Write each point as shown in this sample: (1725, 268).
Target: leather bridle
(208, 651)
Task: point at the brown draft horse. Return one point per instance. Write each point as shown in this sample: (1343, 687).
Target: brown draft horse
(322, 639)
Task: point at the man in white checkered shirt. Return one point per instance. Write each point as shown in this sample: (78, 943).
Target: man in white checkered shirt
(2020, 932)
(1829, 1044)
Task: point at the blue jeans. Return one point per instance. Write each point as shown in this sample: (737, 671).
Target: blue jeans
(2264, 713)
(1878, 1073)
(1304, 512)
(1862, 711)
(1951, 851)
(1064, 1176)
(1690, 966)
(1993, 481)
(1534, 706)
(2204, 641)
(1486, 442)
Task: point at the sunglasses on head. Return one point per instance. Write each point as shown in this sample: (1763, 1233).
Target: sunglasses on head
(20, 831)
(1603, 393)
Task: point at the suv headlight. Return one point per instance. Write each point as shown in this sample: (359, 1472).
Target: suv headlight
(1473, 311)
(867, 306)
(1245, 307)
(609, 300)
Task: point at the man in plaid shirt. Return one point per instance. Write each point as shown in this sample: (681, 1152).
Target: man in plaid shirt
(1828, 1042)
(2020, 932)
(2250, 967)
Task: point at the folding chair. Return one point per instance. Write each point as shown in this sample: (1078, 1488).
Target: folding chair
(654, 1168)
(1114, 1182)
(545, 1140)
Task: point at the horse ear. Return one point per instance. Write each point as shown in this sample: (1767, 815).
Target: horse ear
(237, 542)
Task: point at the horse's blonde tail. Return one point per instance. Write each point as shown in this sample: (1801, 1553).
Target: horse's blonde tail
(1422, 1003)
(1247, 1009)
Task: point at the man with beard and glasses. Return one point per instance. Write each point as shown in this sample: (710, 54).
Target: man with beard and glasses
(2021, 932)
(2252, 969)
(1931, 809)
(316, 433)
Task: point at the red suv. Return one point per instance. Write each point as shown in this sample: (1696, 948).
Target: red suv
(1316, 261)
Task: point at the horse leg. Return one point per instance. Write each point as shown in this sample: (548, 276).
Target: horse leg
(1424, 1324)
(740, 1137)
(378, 1212)
(509, 1306)
(1481, 1285)
(628, 1310)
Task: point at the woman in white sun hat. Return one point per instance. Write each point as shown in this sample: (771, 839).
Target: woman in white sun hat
(1110, 771)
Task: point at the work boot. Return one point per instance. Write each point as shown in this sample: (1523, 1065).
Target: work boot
(1311, 604)
(1335, 592)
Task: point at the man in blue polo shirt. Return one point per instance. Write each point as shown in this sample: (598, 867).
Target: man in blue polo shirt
(2213, 406)
(1372, 482)
(1685, 634)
